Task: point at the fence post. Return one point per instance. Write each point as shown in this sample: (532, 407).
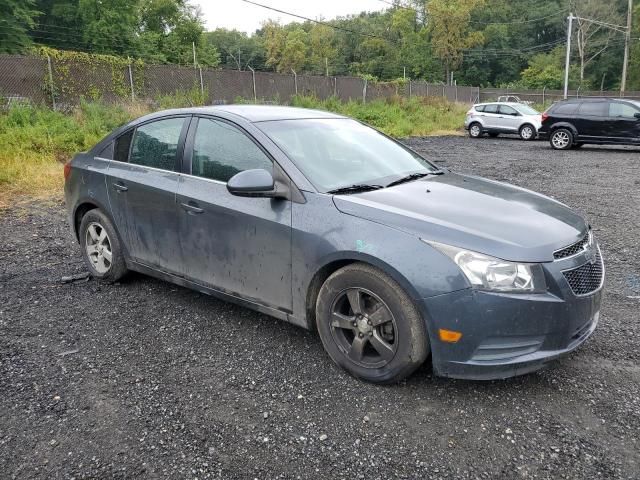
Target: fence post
(427, 84)
(201, 82)
(133, 95)
(253, 75)
(578, 91)
(544, 89)
(295, 81)
(409, 88)
(335, 87)
(456, 84)
(53, 96)
(364, 92)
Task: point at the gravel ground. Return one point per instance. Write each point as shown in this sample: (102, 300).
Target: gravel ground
(146, 379)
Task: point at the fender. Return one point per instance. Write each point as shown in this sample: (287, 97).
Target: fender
(567, 125)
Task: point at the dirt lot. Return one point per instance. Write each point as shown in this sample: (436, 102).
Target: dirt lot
(145, 379)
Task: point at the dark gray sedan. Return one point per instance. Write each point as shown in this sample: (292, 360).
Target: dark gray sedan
(321, 221)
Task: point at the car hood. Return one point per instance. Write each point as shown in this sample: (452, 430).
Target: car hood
(486, 216)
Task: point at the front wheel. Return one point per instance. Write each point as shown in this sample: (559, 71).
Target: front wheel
(369, 326)
(527, 132)
(561, 139)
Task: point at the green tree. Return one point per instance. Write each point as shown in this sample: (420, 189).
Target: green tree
(294, 53)
(16, 17)
(449, 28)
(109, 27)
(274, 39)
(322, 44)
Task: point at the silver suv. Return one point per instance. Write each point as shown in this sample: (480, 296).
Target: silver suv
(503, 117)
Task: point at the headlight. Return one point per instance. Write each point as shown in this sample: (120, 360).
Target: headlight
(489, 273)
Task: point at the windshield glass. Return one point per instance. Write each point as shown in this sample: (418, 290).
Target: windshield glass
(336, 153)
(527, 110)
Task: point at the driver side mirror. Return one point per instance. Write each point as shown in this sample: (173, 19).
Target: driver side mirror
(637, 115)
(253, 183)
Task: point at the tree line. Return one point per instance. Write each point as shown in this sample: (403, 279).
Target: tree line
(471, 42)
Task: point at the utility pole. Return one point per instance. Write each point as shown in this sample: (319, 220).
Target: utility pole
(404, 73)
(627, 41)
(239, 62)
(195, 63)
(566, 64)
(326, 66)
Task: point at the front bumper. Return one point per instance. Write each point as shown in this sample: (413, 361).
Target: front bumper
(504, 335)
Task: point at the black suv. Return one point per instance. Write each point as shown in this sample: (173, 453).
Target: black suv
(572, 123)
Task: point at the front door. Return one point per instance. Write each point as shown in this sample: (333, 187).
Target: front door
(623, 126)
(238, 245)
(142, 190)
(509, 118)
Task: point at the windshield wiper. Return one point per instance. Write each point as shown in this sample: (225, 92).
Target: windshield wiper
(363, 187)
(413, 176)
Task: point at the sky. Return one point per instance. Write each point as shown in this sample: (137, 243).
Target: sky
(236, 14)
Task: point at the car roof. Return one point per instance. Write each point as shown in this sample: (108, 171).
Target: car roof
(511, 104)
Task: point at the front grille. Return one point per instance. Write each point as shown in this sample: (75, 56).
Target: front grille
(572, 249)
(586, 278)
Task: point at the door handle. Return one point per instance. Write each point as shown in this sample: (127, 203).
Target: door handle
(120, 187)
(192, 209)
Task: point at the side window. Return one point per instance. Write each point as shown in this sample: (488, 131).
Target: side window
(492, 108)
(595, 109)
(507, 110)
(107, 152)
(123, 142)
(221, 150)
(625, 110)
(479, 108)
(156, 144)
(565, 109)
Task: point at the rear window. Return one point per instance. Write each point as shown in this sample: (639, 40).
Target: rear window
(493, 108)
(593, 109)
(565, 109)
(479, 108)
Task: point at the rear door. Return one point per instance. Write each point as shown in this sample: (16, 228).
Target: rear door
(623, 126)
(142, 182)
(591, 120)
(238, 245)
(508, 118)
(491, 116)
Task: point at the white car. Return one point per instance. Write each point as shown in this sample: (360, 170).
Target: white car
(503, 117)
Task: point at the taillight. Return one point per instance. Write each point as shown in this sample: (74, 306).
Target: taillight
(67, 170)
(545, 115)
(470, 112)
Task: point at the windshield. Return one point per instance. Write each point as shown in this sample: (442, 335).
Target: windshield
(527, 110)
(337, 153)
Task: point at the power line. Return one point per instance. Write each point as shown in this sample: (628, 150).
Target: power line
(319, 22)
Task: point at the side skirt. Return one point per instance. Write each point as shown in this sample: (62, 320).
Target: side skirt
(228, 297)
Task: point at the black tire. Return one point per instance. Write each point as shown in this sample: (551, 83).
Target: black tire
(561, 139)
(98, 222)
(475, 130)
(527, 132)
(389, 320)
(578, 145)
(494, 135)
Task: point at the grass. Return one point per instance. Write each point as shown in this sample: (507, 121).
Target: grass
(35, 142)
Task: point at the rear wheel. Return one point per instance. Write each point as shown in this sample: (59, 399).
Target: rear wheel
(101, 248)
(527, 132)
(369, 326)
(475, 130)
(561, 139)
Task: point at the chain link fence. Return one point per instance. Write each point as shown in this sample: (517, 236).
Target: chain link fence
(63, 83)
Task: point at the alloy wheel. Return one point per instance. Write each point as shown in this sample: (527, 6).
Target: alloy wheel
(526, 133)
(560, 139)
(98, 247)
(475, 131)
(364, 328)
